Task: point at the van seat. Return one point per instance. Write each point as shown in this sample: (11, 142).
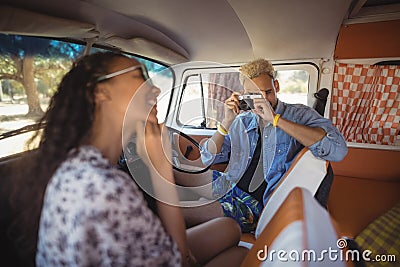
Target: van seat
(300, 224)
(306, 171)
(366, 185)
(381, 237)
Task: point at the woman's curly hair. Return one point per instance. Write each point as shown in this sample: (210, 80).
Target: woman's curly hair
(67, 122)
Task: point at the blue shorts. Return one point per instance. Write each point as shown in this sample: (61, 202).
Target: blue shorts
(237, 204)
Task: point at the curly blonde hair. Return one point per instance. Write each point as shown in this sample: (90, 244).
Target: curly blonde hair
(255, 68)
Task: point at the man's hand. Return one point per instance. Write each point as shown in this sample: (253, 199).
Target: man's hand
(263, 108)
(231, 110)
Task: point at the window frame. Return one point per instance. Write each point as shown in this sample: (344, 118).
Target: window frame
(31, 128)
(313, 86)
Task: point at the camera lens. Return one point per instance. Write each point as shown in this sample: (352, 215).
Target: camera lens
(243, 105)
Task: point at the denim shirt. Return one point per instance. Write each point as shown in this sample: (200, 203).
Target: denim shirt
(279, 148)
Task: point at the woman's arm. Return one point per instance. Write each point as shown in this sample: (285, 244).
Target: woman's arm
(157, 158)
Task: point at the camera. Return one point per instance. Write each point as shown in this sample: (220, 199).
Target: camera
(246, 101)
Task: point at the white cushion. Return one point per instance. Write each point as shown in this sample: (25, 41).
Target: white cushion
(308, 172)
(306, 240)
(291, 238)
(321, 235)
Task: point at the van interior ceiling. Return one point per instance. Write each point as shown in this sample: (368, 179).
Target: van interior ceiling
(173, 36)
(129, 26)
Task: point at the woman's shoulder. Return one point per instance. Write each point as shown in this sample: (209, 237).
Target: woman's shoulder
(86, 174)
(87, 184)
(87, 197)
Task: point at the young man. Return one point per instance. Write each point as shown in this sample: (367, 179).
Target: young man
(271, 133)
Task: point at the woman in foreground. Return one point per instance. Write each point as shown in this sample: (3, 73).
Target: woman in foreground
(79, 209)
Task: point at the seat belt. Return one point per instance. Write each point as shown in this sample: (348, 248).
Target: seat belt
(252, 181)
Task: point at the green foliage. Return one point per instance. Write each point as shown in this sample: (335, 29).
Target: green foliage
(17, 87)
(52, 59)
(295, 87)
(7, 65)
(299, 76)
(49, 72)
(293, 81)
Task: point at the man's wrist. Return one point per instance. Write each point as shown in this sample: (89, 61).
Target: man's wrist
(276, 119)
(221, 130)
(226, 124)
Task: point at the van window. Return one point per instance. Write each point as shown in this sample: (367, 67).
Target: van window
(30, 70)
(293, 86)
(204, 92)
(202, 103)
(192, 108)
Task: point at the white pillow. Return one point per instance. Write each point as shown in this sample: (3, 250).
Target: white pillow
(308, 240)
(308, 172)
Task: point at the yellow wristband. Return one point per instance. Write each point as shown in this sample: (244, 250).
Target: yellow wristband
(276, 119)
(221, 130)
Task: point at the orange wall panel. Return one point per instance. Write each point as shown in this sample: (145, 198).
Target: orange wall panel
(369, 40)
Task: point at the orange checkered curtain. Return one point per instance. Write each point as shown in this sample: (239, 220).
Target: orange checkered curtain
(365, 104)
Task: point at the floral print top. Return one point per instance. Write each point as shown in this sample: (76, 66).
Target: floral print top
(95, 215)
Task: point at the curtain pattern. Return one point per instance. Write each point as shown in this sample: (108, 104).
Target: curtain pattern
(365, 104)
(221, 87)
